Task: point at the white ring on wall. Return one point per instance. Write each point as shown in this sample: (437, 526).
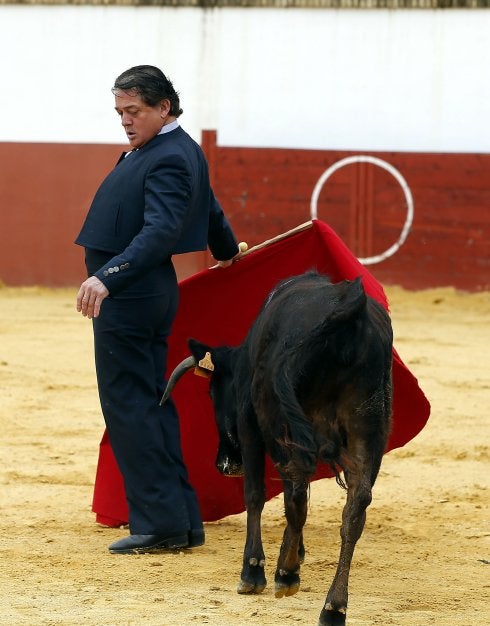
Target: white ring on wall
(362, 158)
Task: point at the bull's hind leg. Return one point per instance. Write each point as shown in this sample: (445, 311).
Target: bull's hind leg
(360, 480)
(287, 578)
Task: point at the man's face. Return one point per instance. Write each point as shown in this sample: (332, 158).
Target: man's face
(140, 121)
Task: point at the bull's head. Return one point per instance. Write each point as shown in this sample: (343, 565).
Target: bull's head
(217, 364)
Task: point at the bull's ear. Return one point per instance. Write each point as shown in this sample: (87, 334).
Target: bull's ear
(198, 349)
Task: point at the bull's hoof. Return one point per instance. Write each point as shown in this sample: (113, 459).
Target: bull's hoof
(252, 578)
(245, 586)
(332, 617)
(286, 583)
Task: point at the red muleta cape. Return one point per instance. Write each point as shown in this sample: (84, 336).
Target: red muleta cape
(217, 306)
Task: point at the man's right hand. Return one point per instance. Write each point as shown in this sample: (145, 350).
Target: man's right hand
(90, 296)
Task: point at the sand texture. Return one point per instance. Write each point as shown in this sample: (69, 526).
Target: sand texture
(423, 558)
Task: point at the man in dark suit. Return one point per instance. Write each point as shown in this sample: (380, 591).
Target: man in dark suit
(155, 203)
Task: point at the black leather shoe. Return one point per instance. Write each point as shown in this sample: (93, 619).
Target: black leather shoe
(196, 537)
(138, 544)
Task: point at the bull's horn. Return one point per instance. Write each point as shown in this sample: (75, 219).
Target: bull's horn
(183, 367)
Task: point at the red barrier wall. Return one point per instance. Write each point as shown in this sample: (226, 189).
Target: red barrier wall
(45, 190)
(268, 191)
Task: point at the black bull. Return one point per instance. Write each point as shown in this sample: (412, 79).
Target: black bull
(310, 384)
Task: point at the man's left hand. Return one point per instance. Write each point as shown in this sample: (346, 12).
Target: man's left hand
(242, 247)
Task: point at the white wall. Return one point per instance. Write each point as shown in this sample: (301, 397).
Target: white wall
(329, 79)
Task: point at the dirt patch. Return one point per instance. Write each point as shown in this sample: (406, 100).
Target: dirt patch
(424, 555)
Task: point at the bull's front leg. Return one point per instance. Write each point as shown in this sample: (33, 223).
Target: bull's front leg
(287, 577)
(252, 579)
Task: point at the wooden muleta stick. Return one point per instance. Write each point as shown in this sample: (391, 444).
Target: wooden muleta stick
(268, 242)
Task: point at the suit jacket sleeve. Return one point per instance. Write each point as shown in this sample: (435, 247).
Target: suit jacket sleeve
(221, 239)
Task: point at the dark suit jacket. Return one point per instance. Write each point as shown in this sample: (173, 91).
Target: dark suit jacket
(155, 203)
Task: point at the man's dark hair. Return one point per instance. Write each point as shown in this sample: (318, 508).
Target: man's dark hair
(151, 84)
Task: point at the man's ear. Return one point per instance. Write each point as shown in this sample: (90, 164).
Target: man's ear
(165, 107)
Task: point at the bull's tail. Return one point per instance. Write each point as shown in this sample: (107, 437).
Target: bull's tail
(302, 448)
(297, 439)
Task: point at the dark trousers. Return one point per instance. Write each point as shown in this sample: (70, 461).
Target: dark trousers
(130, 338)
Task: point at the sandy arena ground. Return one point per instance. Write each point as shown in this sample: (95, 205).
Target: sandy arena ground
(424, 557)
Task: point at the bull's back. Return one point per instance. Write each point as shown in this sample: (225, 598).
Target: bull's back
(306, 304)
